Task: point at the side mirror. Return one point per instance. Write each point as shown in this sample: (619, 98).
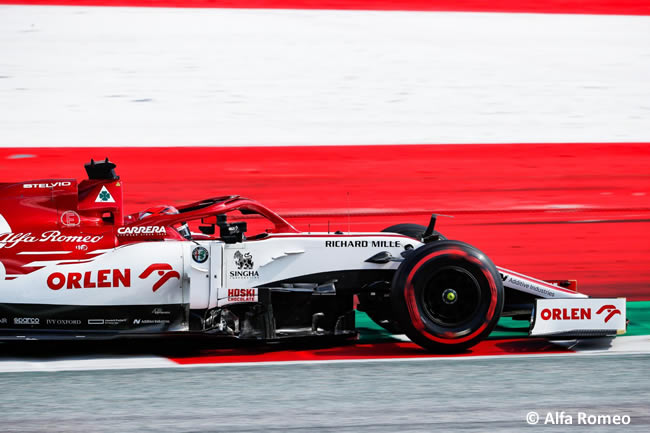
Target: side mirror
(231, 233)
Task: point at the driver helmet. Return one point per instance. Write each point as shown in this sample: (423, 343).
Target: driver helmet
(184, 229)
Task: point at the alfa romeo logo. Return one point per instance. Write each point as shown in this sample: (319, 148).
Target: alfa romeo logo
(200, 254)
(104, 196)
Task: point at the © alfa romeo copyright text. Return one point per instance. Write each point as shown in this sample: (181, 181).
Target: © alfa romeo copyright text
(578, 418)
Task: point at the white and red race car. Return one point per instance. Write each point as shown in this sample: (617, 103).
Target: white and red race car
(73, 265)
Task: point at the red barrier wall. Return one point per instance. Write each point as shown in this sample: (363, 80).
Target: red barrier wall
(551, 210)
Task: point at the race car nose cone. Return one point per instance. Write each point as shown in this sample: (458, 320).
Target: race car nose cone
(449, 296)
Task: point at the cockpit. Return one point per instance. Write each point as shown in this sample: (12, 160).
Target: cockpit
(230, 219)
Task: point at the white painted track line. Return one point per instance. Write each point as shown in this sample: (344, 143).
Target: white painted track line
(635, 345)
(14, 365)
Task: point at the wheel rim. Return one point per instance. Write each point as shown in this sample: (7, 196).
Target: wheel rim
(452, 296)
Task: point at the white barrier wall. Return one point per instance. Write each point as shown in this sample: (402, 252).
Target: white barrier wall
(165, 77)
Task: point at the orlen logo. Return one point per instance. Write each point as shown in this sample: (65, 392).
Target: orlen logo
(165, 271)
(566, 314)
(610, 309)
(578, 313)
(103, 278)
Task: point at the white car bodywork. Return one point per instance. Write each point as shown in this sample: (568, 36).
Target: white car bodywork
(231, 274)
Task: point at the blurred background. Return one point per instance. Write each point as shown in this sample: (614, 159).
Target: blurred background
(526, 123)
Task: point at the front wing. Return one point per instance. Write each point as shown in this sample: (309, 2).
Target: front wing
(578, 317)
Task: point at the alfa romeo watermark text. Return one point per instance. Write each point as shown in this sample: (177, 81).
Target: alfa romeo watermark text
(578, 418)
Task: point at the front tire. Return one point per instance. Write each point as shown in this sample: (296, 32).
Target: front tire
(447, 296)
(379, 308)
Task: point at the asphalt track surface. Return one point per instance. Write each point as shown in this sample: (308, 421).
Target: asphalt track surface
(415, 396)
(550, 210)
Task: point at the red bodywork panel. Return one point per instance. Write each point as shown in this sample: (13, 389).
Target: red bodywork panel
(62, 219)
(57, 219)
(42, 205)
(567, 284)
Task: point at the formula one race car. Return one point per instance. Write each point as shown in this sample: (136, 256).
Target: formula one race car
(73, 265)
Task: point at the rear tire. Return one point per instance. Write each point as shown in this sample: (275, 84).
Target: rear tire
(447, 296)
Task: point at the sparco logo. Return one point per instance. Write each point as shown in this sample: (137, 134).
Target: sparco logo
(165, 271)
(46, 185)
(141, 230)
(611, 311)
(102, 278)
(26, 321)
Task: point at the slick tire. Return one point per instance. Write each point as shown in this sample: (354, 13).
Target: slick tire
(447, 296)
(383, 315)
(414, 231)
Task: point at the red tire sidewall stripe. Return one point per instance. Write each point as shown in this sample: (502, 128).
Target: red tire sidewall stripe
(414, 312)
